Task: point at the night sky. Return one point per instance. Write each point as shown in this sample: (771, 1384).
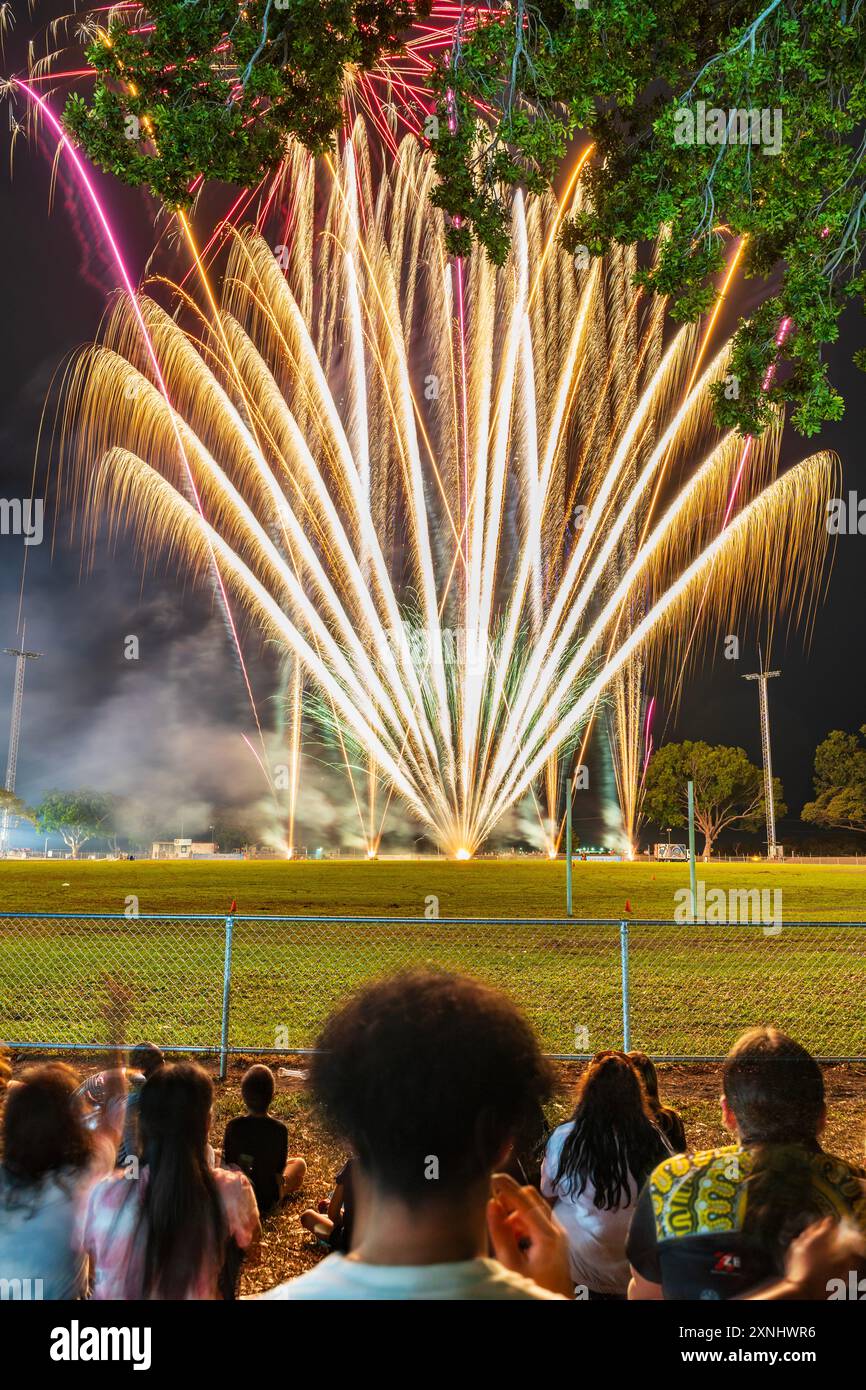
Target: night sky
(169, 725)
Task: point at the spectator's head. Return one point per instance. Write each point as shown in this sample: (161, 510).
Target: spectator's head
(147, 1058)
(613, 1144)
(773, 1090)
(183, 1222)
(646, 1069)
(175, 1110)
(428, 1077)
(257, 1089)
(43, 1128)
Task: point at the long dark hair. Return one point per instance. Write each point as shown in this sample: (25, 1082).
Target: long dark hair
(613, 1142)
(181, 1222)
(649, 1076)
(43, 1128)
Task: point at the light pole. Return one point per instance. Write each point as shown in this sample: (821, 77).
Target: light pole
(693, 878)
(762, 677)
(569, 791)
(21, 659)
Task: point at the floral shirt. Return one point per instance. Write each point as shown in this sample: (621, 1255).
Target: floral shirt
(112, 1221)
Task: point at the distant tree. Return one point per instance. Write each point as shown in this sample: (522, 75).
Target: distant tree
(75, 816)
(14, 805)
(840, 783)
(729, 790)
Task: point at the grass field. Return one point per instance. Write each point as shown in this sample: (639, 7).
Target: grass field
(483, 887)
(692, 987)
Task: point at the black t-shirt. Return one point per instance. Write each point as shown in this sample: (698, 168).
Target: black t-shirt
(687, 1232)
(259, 1146)
(698, 1265)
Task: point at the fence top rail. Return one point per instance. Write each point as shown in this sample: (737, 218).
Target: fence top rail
(223, 917)
(382, 918)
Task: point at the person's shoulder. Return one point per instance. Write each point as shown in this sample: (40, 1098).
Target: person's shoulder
(231, 1182)
(559, 1135)
(103, 1156)
(674, 1170)
(847, 1180)
(276, 1124)
(113, 1187)
(107, 1198)
(836, 1167)
(502, 1283)
(325, 1280)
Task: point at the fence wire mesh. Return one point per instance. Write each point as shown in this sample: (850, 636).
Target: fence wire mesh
(695, 986)
(678, 990)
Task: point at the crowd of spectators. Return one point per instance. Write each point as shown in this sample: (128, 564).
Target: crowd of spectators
(453, 1186)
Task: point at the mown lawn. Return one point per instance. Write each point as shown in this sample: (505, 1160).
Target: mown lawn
(692, 988)
(482, 887)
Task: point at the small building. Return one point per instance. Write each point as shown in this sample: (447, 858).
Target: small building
(183, 849)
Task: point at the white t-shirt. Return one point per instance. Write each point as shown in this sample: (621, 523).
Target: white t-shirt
(41, 1228)
(340, 1277)
(596, 1238)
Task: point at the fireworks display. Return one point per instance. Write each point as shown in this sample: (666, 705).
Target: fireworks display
(472, 505)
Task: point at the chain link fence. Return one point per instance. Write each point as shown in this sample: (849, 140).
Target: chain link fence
(679, 991)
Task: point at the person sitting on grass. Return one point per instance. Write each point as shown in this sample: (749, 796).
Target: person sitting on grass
(428, 1077)
(595, 1167)
(666, 1119)
(51, 1161)
(718, 1224)
(333, 1226)
(181, 1230)
(121, 1087)
(258, 1144)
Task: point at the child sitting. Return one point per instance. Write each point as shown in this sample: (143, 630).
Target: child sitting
(258, 1144)
(333, 1227)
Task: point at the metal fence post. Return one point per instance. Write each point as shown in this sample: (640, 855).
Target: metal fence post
(227, 986)
(623, 956)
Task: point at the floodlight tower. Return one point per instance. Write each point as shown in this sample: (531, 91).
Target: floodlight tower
(21, 659)
(762, 677)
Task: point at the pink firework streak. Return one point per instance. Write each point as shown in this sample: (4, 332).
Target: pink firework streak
(69, 149)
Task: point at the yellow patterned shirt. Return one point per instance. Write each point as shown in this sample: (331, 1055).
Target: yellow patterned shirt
(690, 1231)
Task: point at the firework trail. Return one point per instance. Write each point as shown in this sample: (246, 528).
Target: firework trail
(469, 506)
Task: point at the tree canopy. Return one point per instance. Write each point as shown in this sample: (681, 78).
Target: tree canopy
(12, 805)
(729, 789)
(214, 89)
(840, 782)
(668, 89)
(711, 119)
(75, 816)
